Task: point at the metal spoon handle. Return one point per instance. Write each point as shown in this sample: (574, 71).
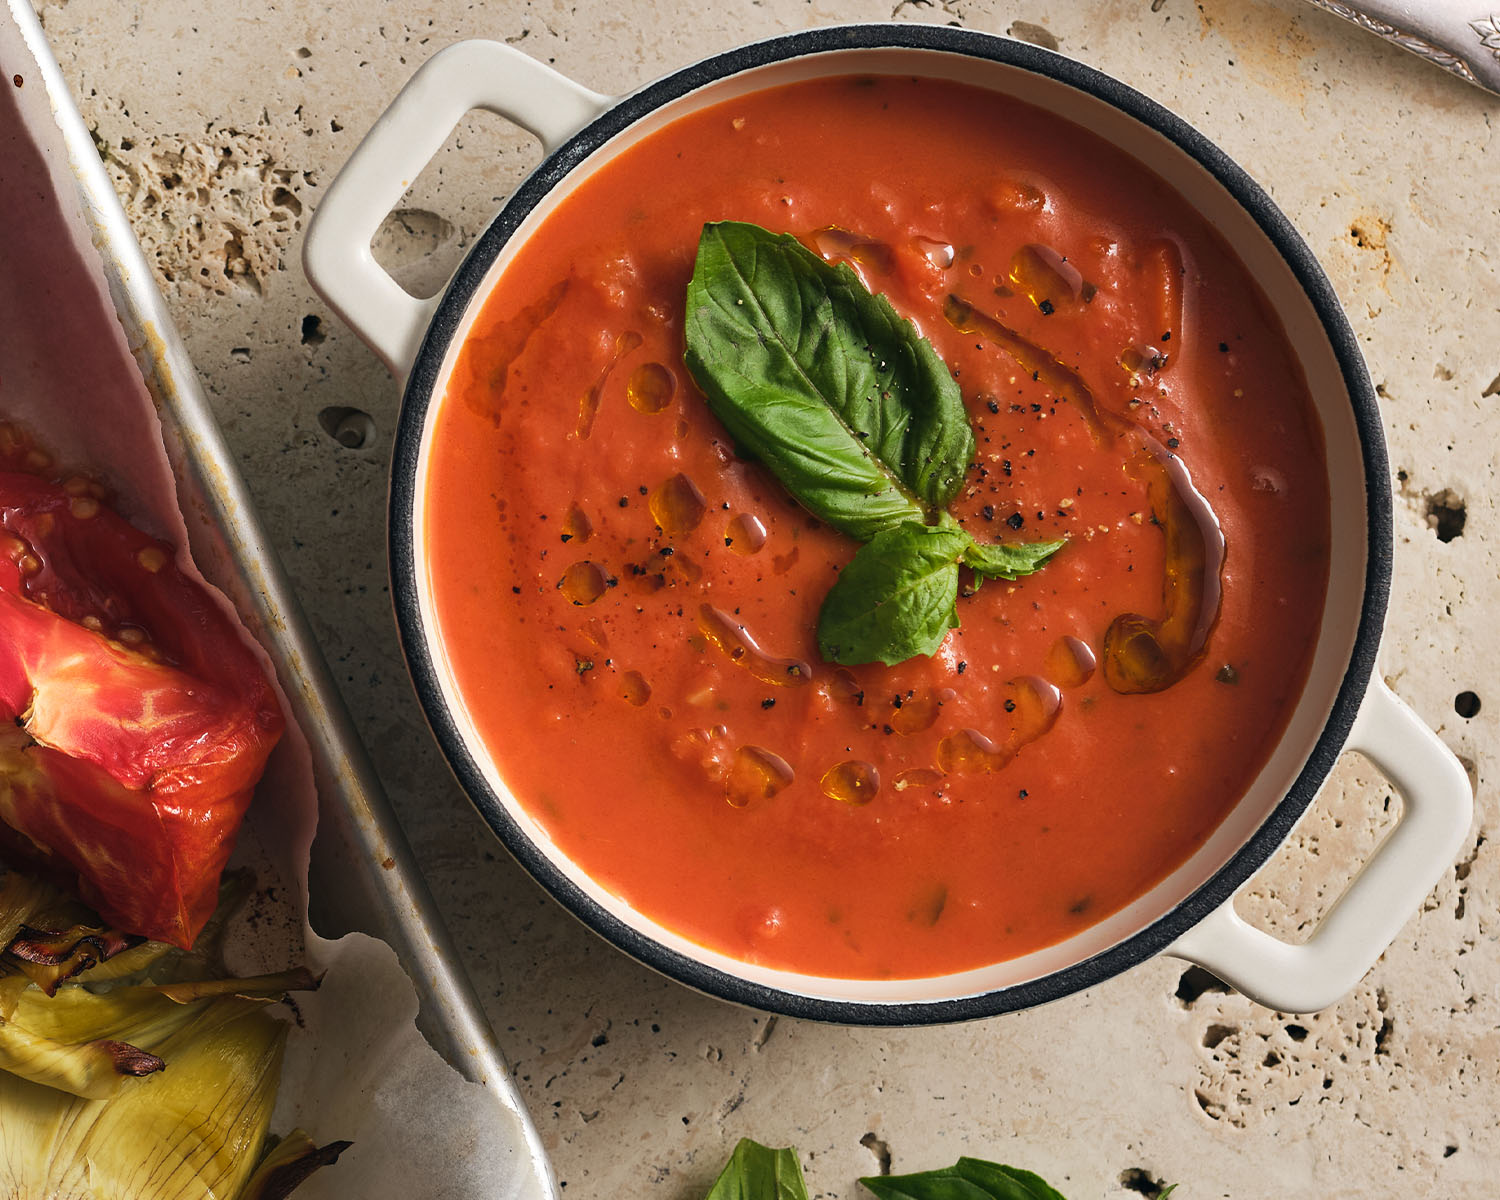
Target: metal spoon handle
(1461, 36)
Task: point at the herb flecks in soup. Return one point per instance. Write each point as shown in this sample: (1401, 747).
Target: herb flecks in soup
(632, 615)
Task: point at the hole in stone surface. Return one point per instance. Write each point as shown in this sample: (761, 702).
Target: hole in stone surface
(1446, 514)
(1195, 981)
(312, 330)
(1138, 1179)
(1449, 1151)
(1297, 1033)
(1466, 704)
(410, 239)
(351, 427)
(1471, 769)
(879, 1149)
(454, 196)
(1215, 1034)
(286, 200)
(1037, 35)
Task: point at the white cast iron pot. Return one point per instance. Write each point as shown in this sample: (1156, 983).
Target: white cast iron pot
(1344, 706)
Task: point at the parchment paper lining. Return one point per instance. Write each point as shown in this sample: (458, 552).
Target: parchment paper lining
(356, 1066)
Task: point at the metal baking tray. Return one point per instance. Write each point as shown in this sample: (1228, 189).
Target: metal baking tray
(363, 876)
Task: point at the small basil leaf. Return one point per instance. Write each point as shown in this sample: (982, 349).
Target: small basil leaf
(823, 382)
(1009, 560)
(756, 1172)
(896, 598)
(995, 1176)
(967, 1179)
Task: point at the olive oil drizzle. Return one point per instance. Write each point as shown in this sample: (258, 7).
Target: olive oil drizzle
(1141, 654)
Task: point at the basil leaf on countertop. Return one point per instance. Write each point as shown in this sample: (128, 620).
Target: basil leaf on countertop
(967, 1179)
(1005, 560)
(896, 599)
(822, 381)
(756, 1172)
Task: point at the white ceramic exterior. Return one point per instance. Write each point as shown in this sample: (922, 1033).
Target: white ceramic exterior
(1435, 790)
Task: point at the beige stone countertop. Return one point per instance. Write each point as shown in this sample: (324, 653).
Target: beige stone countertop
(221, 122)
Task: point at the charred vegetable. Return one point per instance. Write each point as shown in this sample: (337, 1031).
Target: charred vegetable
(142, 1071)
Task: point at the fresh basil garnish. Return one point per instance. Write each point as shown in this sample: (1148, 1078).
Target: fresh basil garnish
(967, 1179)
(896, 599)
(756, 1172)
(1008, 560)
(857, 416)
(823, 382)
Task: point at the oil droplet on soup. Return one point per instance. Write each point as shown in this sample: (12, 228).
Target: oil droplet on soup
(650, 388)
(861, 251)
(843, 687)
(1048, 279)
(588, 403)
(916, 777)
(1034, 705)
(1070, 662)
(853, 782)
(735, 640)
(969, 752)
(677, 506)
(634, 689)
(756, 774)
(576, 526)
(1029, 708)
(582, 583)
(745, 534)
(919, 710)
(939, 253)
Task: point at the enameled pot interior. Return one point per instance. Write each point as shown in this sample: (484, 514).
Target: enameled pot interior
(1242, 841)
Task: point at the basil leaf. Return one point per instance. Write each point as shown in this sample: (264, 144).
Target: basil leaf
(1009, 560)
(756, 1172)
(897, 597)
(823, 382)
(967, 1179)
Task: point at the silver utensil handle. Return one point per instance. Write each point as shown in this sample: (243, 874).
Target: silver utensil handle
(1461, 36)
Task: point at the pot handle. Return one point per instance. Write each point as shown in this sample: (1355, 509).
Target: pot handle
(1438, 805)
(336, 253)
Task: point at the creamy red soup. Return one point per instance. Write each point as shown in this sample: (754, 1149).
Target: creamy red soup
(630, 607)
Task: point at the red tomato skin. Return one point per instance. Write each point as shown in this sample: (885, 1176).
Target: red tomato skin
(139, 719)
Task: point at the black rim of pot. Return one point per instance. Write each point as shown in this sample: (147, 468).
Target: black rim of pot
(462, 291)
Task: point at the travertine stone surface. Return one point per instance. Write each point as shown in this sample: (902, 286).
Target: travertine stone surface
(221, 121)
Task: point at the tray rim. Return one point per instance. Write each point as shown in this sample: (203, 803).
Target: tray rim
(358, 832)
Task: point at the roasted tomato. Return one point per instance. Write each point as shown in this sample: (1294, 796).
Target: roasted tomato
(139, 719)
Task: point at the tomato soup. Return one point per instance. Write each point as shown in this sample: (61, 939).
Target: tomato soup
(629, 606)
